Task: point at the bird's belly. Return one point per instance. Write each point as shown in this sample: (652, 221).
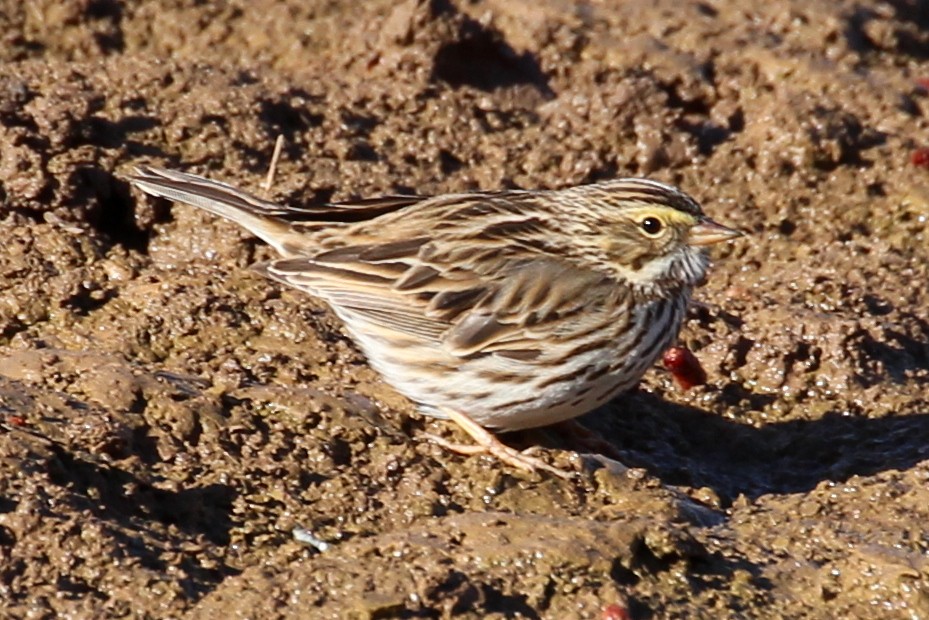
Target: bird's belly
(501, 395)
(506, 394)
(539, 401)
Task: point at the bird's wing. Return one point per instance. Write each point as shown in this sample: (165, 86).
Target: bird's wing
(401, 289)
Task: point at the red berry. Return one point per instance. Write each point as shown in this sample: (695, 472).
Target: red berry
(920, 157)
(615, 612)
(684, 367)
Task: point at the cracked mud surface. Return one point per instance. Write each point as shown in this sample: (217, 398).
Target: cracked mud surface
(167, 417)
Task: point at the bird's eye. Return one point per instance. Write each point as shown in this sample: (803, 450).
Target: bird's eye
(651, 225)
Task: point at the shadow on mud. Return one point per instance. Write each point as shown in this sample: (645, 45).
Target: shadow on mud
(684, 445)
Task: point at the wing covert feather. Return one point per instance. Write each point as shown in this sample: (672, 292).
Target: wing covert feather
(448, 305)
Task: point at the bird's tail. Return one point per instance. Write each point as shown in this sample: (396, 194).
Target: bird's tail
(260, 217)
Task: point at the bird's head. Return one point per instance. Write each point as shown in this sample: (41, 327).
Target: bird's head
(652, 235)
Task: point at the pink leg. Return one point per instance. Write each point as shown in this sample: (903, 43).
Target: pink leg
(487, 443)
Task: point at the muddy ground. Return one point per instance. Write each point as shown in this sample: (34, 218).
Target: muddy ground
(167, 417)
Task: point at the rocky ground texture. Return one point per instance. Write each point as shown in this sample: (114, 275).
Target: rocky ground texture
(167, 417)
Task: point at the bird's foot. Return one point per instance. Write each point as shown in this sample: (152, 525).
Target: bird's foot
(487, 443)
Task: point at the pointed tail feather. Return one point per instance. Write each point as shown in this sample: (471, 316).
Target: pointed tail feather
(258, 216)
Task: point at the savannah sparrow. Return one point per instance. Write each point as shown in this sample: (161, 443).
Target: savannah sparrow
(498, 310)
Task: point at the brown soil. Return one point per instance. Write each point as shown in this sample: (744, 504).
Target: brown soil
(167, 417)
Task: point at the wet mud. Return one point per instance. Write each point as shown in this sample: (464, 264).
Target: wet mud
(168, 417)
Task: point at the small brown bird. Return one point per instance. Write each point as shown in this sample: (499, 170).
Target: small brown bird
(498, 310)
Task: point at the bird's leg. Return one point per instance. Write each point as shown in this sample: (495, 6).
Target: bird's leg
(587, 439)
(601, 451)
(487, 443)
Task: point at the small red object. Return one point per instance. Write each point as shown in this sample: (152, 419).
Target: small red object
(684, 367)
(16, 420)
(615, 612)
(922, 82)
(920, 157)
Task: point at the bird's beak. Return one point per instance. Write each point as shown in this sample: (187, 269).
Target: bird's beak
(708, 232)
